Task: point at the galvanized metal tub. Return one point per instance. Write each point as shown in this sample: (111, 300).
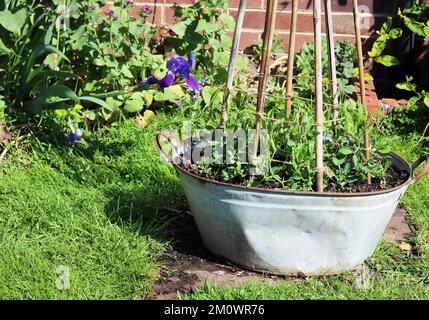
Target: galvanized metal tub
(284, 232)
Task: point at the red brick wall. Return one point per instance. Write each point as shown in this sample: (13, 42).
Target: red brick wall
(373, 15)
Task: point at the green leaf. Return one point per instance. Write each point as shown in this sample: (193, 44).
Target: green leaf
(379, 46)
(97, 101)
(388, 60)
(39, 51)
(43, 75)
(57, 91)
(3, 49)
(225, 41)
(228, 21)
(412, 102)
(175, 91)
(395, 33)
(134, 103)
(346, 150)
(408, 86)
(126, 72)
(414, 25)
(426, 99)
(145, 120)
(114, 102)
(426, 30)
(60, 91)
(213, 27)
(13, 22)
(147, 96)
(180, 28)
(201, 26)
(368, 77)
(338, 162)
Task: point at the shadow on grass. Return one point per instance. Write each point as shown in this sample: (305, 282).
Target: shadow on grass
(167, 221)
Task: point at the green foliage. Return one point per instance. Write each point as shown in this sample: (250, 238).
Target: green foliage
(28, 81)
(345, 54)
(386, 33)
(412, 20)
(204, 28)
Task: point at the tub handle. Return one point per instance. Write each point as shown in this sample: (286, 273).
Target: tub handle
(423, 171)
(170, 139)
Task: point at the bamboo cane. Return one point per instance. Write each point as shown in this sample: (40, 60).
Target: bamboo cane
(270, 20)
(319, 93)
(356, 15)
(291, 58)
(331, 59)
(232, 62)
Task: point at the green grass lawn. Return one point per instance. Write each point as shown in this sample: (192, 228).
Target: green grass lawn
(94, 209)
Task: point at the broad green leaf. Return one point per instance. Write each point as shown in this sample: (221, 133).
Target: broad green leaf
(412, 102)
(338, 162)
(379, 46)
(388, 60)
(126, 72)
(201, 26)
(225, 41)
(175, 90)
(414, 25)
(114, 102)
(346, 150)
(39, 51)
(135, 103)
(213, 27)
(12, 22)
(59, 91)
(228, 21)
(147, 96)
(180, 28)
(214, 43)
(408, 86)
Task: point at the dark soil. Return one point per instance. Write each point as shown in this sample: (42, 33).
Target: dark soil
(393, 179)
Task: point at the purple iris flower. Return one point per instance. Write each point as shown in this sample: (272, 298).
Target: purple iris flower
(149, 81)
(74, 136)
(179, 66)
(167, 80)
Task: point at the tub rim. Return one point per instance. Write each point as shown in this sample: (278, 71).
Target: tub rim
(203, 180)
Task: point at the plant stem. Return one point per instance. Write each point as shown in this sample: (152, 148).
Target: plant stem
(291, 58)
(331, 59)
(319, 93)
(356, 16)
(232, 62)
(270, 20)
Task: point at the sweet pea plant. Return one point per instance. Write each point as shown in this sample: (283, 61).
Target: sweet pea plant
(411, 19)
